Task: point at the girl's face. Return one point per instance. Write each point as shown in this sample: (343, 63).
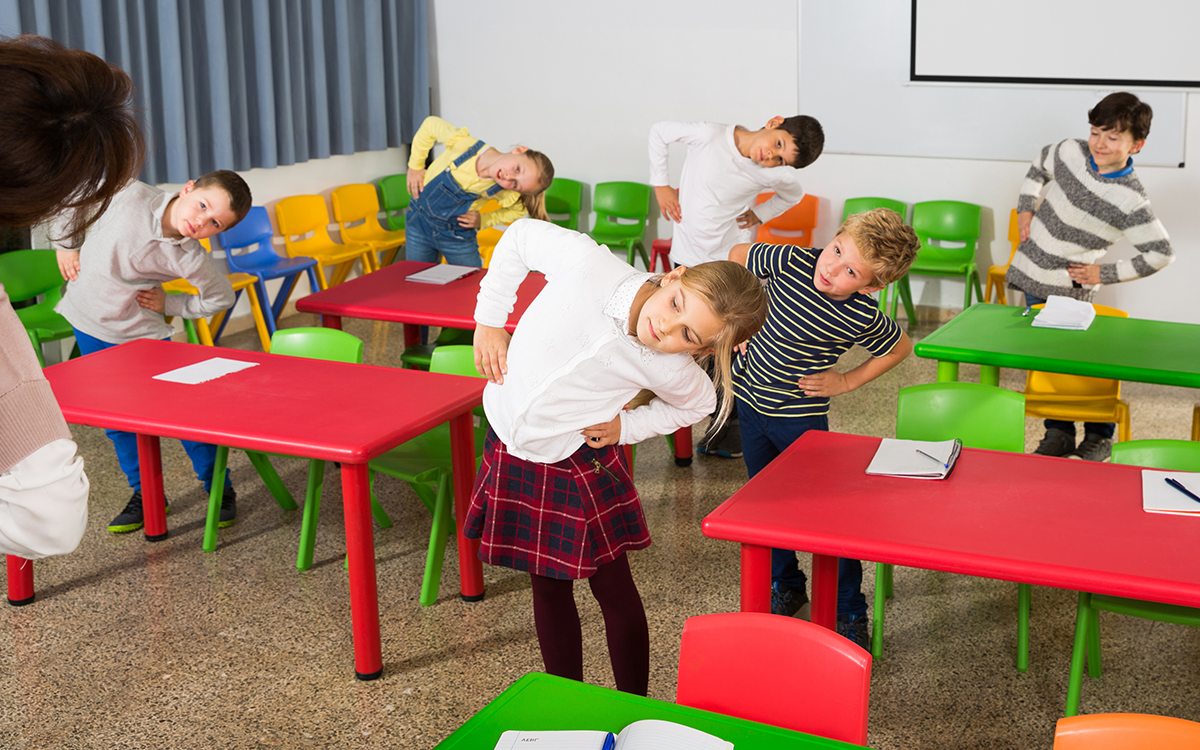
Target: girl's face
(675, 319)
(516, 171)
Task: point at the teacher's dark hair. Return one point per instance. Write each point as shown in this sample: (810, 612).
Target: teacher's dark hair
(69, 138)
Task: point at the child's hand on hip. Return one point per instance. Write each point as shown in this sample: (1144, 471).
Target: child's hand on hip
(1089, 274)
(416, 181)
(470, 219)
(668, 202)
(153, 299)
(606, 433)
(747, 220)
(491, 352)
(68, 263)
(824, 384)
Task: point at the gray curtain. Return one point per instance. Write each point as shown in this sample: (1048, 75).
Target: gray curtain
(236, 84)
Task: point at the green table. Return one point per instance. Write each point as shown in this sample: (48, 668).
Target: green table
(995, 336)
(543, 702)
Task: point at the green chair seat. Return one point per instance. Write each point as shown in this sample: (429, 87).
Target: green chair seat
(622, 210)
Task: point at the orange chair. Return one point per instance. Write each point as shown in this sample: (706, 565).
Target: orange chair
(1077, 398)
(304, 223)
(356, 210)
(1126, 732)
(776, 670)
(792, 227)
(203, 328)
(995, 277)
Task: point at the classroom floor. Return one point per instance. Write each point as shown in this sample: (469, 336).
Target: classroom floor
(139, 645)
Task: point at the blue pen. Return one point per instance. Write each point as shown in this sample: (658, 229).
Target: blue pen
(1024, 314)
(1182, 489)
(609, 742)
(935, 459)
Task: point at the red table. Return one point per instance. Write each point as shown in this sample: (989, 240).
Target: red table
(1075, 525)
(387, 295)
(289, 405)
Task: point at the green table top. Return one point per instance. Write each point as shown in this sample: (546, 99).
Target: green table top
(543, 702)
(1144, 351)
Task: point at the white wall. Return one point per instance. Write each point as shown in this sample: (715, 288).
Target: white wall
(585, 82)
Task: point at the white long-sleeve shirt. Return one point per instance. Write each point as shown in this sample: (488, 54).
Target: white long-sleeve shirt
(571, 362)
(717, 185)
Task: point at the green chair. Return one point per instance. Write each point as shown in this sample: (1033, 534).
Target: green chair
(419, 356)
(313, 343)
(944, 221)
(622, 209)
(565, 198)
(425, 463)
(858, 206)
(980, 416)
(28, 275)
(1171, 455)
(393, 199)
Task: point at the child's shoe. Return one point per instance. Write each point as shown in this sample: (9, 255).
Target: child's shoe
(1055, 443)
(786, 600)
(132, 518)
(856, 629)
(727, 443)
(1093, 448)
(228, 508)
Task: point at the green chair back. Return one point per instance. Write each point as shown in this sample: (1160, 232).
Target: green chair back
(1171, 455)
(946, 221)
(981, 416)
(393, 199)
(27, 275)
(318, 343)
(565, 198)
(859, 205)
(617, 201)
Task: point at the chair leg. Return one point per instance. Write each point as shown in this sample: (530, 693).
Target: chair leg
(1095, 667)
(440, 529)
(1124, 429)
(36, 341)
(312, 509)
(1196, 422)
(389, 256)
(905, 294)
(1024, 600)
(285, 293)
(215, 495)
(203, 332)
(881, 573)
(978, 290)
(271, 479)
(260, 321)
(322, 282)
(1075, 683)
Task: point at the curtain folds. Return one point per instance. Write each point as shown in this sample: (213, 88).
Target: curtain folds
(237, 84)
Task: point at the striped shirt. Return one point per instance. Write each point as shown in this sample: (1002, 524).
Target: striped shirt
(805, 333)
(1084, 212)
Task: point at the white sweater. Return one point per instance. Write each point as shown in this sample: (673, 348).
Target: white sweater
(571, 362)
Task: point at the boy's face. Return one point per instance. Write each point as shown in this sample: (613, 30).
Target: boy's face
(516, 171)
(772, 146)
(840, 270)
(1112, 148)
(199, 212)
(675, 319)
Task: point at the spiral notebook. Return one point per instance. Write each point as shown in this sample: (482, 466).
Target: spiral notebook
(915, 459)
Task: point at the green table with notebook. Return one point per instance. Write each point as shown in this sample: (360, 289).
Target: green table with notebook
(1133, 349)
(546, 703)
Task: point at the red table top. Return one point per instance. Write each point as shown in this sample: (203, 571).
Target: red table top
(290, 405)
(386, 295)
(1075, 525)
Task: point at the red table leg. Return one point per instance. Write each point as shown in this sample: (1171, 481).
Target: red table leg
(756, 578)
(20, 581)
(332, 321)
(462, 451)
(360, 552)
(153, 504)
(683, 446)
(824, 591)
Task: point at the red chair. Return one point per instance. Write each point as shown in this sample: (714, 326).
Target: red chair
(660, 249)
(776, 670)
(792, 227)
(1125, 732)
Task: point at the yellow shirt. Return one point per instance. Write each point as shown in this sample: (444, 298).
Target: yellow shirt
(458, 140)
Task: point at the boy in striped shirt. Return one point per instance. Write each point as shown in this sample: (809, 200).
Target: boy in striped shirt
(1093, 200)
(819, 308)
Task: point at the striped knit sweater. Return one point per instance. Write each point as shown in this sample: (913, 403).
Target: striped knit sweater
(1082, 215)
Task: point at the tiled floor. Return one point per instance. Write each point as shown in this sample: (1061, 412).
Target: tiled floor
(139, 645)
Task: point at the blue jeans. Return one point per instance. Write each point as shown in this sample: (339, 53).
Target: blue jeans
(423, 243)
(203, 455)
(763, 439)
(1103, 430)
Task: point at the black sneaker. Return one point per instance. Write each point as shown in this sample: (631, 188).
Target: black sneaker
(228, 508)
(132, 518)
(1055, 443)
(786, 600)
(1093, 448)
(856, 629)
(726, 443)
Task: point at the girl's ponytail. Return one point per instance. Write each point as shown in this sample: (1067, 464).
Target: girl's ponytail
(535, 203)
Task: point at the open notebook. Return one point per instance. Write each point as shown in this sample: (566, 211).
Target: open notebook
(1160, 496)
(647, 734)
(917, 459)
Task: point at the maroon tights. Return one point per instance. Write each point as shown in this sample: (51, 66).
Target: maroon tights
(561, 636)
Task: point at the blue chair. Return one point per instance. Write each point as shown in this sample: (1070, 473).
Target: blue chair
(264, 263)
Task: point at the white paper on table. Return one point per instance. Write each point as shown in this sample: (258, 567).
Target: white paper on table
(1065, 312)
(1160, 497)
(442, 273)
(201, 372)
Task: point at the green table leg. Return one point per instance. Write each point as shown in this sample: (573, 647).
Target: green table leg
(989, 375)
(947, 372)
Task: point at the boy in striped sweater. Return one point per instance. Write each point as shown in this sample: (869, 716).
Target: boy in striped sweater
(1093, 200)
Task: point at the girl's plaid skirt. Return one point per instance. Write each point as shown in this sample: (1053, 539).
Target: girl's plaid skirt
(559, 520)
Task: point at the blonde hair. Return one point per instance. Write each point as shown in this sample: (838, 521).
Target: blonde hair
(887, 245)
(535, 203)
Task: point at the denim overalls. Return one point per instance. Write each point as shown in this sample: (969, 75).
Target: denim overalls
(432, 219)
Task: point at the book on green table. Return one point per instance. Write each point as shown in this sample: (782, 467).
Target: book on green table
(915, 459)
(647, 734)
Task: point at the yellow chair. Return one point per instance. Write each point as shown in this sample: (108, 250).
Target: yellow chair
(1077, 398)
(995, 277)
(203, 328)
(488, 238)
(1126, 732)
(356, 210)
(302, 215)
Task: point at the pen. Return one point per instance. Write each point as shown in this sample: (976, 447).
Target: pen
(609, 742)
(938, 460)
(1182, 489)
(1027, 309)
